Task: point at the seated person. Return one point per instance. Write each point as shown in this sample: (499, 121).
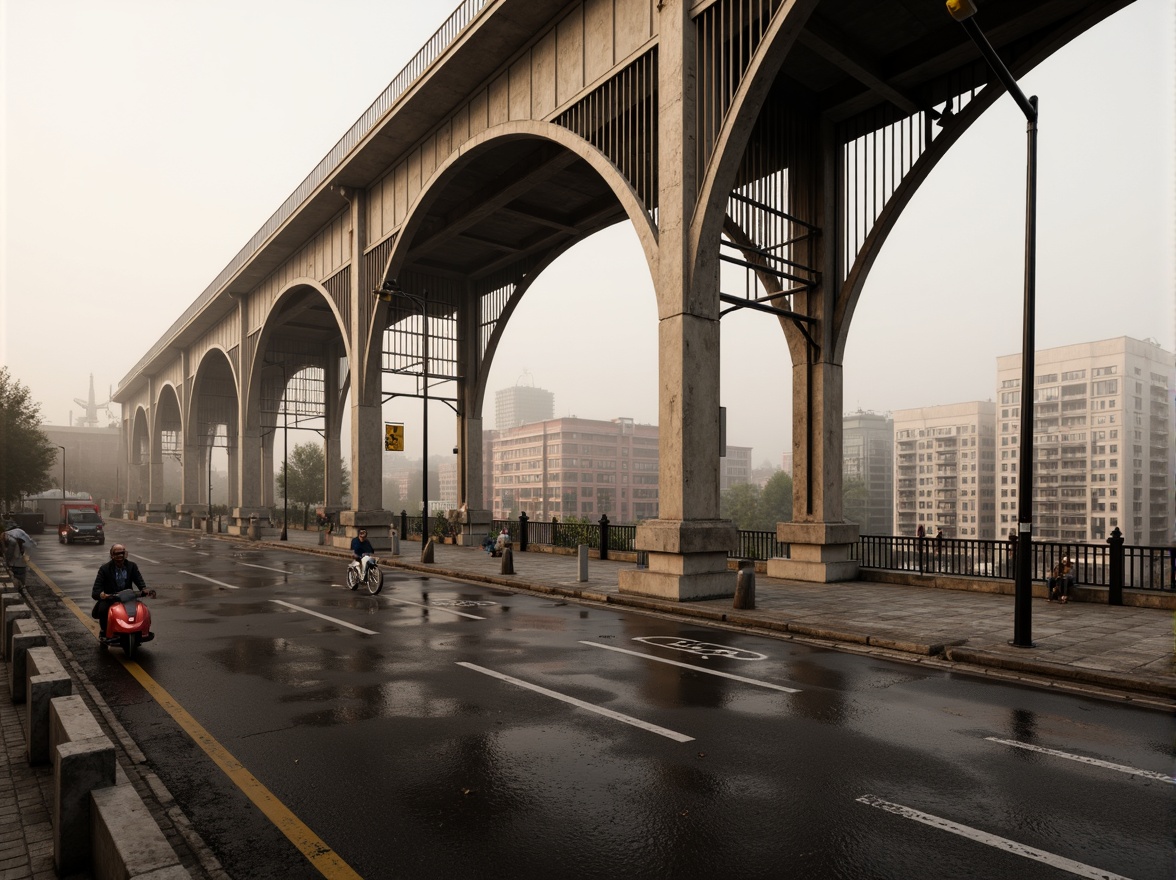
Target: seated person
(503, 540)
(488, 544)
(361, 551)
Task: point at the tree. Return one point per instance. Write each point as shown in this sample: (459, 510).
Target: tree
(307, 471)
(740, 504)
(776, 499)
(26, 455)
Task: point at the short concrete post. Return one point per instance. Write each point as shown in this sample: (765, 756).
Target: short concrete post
(83, 759)
(46, 680)
(26, 634)
(126, 840)
(507, 560)
(427, 550)
(394, 538)
(745, 586)
(12, 613)
(582, 558)
(254, 532)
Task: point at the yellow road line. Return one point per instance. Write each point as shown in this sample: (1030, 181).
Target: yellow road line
(328, 863)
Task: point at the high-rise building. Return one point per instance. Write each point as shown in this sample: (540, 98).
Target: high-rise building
(522, 405)
(944, 464)
(572, 467)
(1102, 441)
(735, 467)
(868, 461)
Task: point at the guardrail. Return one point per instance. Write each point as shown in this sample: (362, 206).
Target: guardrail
(1097, 565)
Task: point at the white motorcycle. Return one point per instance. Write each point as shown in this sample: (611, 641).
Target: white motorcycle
(367, 573)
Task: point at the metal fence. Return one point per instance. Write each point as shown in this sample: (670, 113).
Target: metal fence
(1144, 568)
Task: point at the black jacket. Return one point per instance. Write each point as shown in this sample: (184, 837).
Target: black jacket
(105, 582)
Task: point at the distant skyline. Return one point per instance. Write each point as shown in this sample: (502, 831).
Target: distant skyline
(144, 143)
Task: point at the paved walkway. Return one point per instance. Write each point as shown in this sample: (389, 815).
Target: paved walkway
(1121, 652)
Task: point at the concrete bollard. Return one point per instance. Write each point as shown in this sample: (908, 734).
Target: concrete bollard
(13, 611)
(83, 760)
(46, 680)
(27, 633)
(745, 586)
(507, 560)
(254, 531)
(582, 559)
(427, 551)
(126, 840)
(394, 539)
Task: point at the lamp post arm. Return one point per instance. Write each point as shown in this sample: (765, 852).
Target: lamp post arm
(998, 67)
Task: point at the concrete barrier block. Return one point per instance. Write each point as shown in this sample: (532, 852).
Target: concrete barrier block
(69, 720)
(126, 842)
(27, 633)
(79, 767)
(13, 608)
(46, 680)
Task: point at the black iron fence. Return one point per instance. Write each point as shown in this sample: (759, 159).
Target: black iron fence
(1111, 565)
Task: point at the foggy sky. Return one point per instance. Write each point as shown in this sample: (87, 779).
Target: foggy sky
(145, 142)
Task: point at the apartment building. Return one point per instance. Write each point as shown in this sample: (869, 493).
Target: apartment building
(944, 468)
(573, 467)
(1102, 441)
(868, 459)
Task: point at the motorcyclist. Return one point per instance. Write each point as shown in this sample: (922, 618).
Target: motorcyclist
(113, 577)
(361, 552)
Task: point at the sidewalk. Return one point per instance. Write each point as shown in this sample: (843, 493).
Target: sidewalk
(1088, 646)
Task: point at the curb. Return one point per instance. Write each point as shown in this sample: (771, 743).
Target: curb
(1137, 683)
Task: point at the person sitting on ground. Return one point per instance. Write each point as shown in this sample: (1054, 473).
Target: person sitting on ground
(503, 540)
(113, 577)
(361, 551)
(488, 544)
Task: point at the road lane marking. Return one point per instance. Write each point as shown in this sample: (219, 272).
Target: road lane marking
(756, 682)
(434, 608)
(702, 649)
(144, 558)
(1002, 843)
(324, 617)
(1106, 765)
(599, 710)
(210, 580)
(314, 848)
(178, 546)
(266, 567)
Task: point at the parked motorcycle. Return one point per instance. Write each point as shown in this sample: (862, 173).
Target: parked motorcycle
(373, 578)
(128, 622)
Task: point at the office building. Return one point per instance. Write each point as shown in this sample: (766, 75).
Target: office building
(572, 467)
(522, 405)
(868, 471)
(735, 467)
(1102, 440)
(944, 465)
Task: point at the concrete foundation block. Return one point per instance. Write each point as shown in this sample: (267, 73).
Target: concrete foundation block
(46, 680)
(27, 633)
(126, 842)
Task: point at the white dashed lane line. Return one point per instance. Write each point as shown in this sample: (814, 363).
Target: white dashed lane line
(1002, 843)
(1094, 762)
(211, 580)
(335, 620)
(694, 668)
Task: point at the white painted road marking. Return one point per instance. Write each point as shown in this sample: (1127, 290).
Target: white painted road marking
(599, 710)
(702, 649)
(144, 558)
(775, 687)
(324, 617)
(431, 608)
(266, 567)
(210, 580)
(1106, 765)
(1003, 843)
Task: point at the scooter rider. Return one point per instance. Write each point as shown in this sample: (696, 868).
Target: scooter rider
(361, 551)
(113, 577)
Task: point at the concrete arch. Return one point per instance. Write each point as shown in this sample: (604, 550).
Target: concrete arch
(139, 455)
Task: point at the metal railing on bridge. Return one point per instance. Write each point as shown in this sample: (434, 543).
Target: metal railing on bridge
(1113, 565)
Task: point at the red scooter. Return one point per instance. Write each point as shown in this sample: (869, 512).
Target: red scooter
(128, 622)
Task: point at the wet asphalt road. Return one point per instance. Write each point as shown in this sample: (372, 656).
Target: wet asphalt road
(422, 749)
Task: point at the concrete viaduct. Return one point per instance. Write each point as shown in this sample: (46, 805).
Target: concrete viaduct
(784, 136)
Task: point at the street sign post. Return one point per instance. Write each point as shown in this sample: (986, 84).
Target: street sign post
(393, 437)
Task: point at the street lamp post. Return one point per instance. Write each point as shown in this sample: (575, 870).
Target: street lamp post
(963, 12)
(385, 293)
(62, 448)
